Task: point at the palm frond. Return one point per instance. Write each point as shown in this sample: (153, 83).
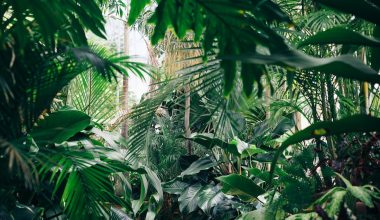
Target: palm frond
(84, 176)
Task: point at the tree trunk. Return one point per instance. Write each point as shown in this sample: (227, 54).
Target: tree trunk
(364, 92)
(187, 118)
(153, 61)
(298, 121)
(124, 96)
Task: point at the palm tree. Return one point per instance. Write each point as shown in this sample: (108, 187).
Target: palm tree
(237, 39)
(52, 163)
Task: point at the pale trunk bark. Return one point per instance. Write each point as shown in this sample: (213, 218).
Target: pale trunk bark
(153, 61)
(187, 118)
(298, 120)
(124, 97)
(124, 108)
(364, 88)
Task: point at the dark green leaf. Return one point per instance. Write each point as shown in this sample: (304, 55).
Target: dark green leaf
(356, 123)
(360, 193)
(174, 186)
(209, 141)
(375, 51)
(209, 197)
(229, 76)
(60, 126)
(153, 207)
(198, 166)
(361, 8)
(340, 35)
(249, 74)
(137, 6)
(188, 201)
(344, 66)
(241, 186)
(164, 15)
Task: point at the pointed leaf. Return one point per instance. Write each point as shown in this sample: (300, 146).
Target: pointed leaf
(343, 66)
(241, 186)
(375, 51)
(360, 193)
(198, 166)
(340, 35)
(361, 8)
(188, 201)
(60, 126)
(174, 187)
(137, 6)
(209, 141)
(356, 123)
(229, 68)
(209, 197)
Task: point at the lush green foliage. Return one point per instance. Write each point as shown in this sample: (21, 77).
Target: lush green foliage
(276, 104)
(55, 160)
(278, 174)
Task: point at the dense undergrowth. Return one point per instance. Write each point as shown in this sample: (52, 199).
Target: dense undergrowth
(259, 110)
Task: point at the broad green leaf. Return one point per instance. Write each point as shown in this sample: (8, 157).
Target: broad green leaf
(60, 126)
(285, 124)
(163, 17)
(118, 213)
(328, 195)
(263, 175)
(156, 183)
(249, 74)
(235, 147)
(110, 138)
(356, 123)
(252, 150)
(198, 166)
(360, 193)
(137, 204)
(156, 200)
(360, 8)
(137, 6)
(241, 186)
(22, 211)
(268, 157)
(198, 23)
(86, 189)
(188, 201)
(209, 141)
(343, 66)
(153, 207)
(229, 68)
(240, 146)
(174, 186)
(335, 204)
(375, 51)
(184, 18)
(209, 197)
(340, 35)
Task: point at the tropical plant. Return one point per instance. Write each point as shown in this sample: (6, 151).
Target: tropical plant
(327, 81)
(275, 103)
(53, 162)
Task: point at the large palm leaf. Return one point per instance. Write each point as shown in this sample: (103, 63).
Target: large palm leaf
(210, 110)
(95, 95)
(42, 48)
